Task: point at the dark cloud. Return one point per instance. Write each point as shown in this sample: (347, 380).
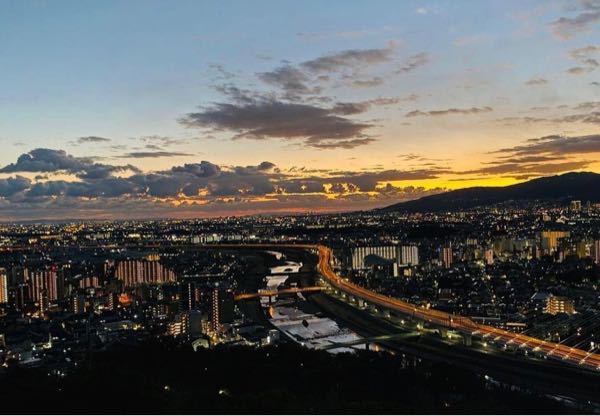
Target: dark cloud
(413, 63)
(529, 169)
(350, 108)
(527, 159)
(363, 106)
(11, 186)
(304, 79)
(368, 181)
(557, 145)
(202, 186)
(203, 169)
(298, 111)
(352, 182)
(449, 111)
(540, 156)
(265, 166)
(49, 160)
(105, 187)
(269, 118)
(125, 207)
(587, 118)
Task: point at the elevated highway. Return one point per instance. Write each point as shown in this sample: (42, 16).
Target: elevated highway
(460, 323)
(464, 325)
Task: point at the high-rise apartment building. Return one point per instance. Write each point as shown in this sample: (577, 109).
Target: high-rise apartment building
(446, 256)
(549, 240)
(3, 286)
(89, 282)
(188, 296)
(221, 308)
(359, 254)
(409, 255)
(42, 282)
(136, 272)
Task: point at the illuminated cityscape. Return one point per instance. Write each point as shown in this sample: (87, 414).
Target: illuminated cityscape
(321, 208)
(512, 284)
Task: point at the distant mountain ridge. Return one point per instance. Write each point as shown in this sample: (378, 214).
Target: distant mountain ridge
(584, 186)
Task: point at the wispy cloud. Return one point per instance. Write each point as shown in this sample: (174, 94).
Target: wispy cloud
(91, 139)
(587, 15)
(413, 62)
(145, 155)
(587, 59)
(449, 111)
(536, 81)
(350, 58)
(471, 40)
(367, 83)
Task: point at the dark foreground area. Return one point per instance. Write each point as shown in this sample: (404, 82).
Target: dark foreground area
(164, 378)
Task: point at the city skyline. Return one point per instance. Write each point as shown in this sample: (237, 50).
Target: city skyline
(136, 110)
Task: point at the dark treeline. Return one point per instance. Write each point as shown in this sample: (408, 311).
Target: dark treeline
(162, 378)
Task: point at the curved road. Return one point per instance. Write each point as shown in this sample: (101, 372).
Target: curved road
(460, 323)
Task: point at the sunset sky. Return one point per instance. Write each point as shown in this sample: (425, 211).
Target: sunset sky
(134, 109)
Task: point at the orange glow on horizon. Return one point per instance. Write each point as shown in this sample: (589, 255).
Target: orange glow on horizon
(450, 184)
